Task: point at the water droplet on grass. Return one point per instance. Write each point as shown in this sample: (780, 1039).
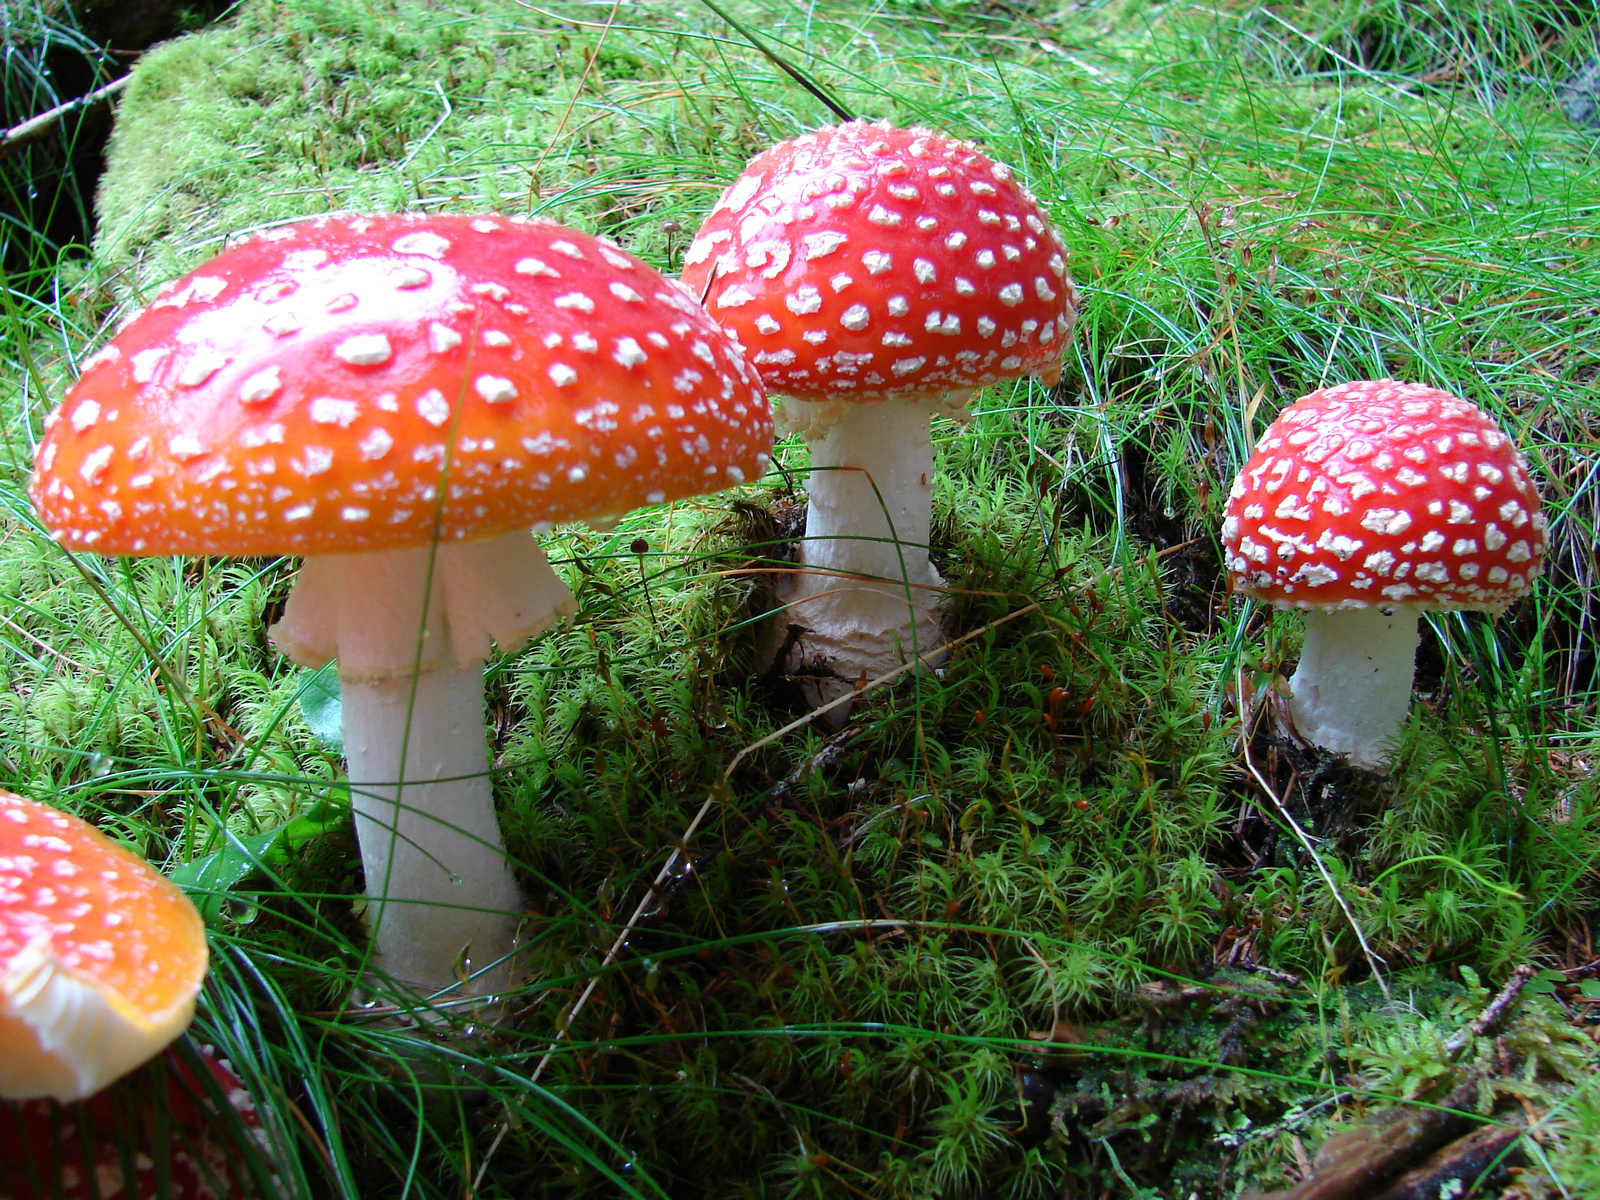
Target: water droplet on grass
(241, 911)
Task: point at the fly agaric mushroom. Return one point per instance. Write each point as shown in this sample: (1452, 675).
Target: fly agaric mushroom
(878, 276)
(101, 957)
(1366, 505)
(400, 399)
(155, 1134)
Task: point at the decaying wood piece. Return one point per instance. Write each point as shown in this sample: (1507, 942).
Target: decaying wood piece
(1363, 1162)
(1354, 1164)
(1461, 1162)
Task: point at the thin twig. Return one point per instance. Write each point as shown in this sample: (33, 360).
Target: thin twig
(37, 127)
(1493, 1014)
(647, 903)
(776, 794)
(48, 648)
(566, 116)
(1049, 978)
(1295, 1118)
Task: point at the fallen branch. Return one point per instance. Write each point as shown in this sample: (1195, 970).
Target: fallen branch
(1451, 1171)
(1397, 1154)
(37, 127)
(1492, 1015)
(1356, 1163)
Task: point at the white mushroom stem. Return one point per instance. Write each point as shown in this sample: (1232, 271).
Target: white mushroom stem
(442, 902)
(411, 630)
(1352, 689)
(866, 593)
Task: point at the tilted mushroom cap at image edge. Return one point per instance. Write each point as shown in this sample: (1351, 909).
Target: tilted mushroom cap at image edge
(101, 956)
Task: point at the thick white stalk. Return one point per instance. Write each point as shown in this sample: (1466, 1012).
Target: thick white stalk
(866, 593)
(411, 629)
(1352, 689)
(443, 904)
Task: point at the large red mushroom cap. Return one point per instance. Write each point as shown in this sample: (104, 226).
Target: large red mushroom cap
(100, 957)
(1379, 494)
(303, 391)
(866, 262)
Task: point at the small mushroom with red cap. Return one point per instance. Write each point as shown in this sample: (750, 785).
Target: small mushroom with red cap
(101, 957)
(400, 399)
(878, 276)
(1364, 506)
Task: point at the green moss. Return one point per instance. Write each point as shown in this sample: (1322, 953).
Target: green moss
(1066, 831)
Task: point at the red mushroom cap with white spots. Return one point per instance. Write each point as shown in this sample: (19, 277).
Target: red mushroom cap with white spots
(100, 957)
(866, 262)
(1377, 494)
(307, 391)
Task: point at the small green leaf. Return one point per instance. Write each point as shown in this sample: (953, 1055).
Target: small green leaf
(208, 880)
(319, 704)
(1545, 982)
(1589, 989)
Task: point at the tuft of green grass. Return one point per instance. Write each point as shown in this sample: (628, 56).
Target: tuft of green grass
(1070, 884)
